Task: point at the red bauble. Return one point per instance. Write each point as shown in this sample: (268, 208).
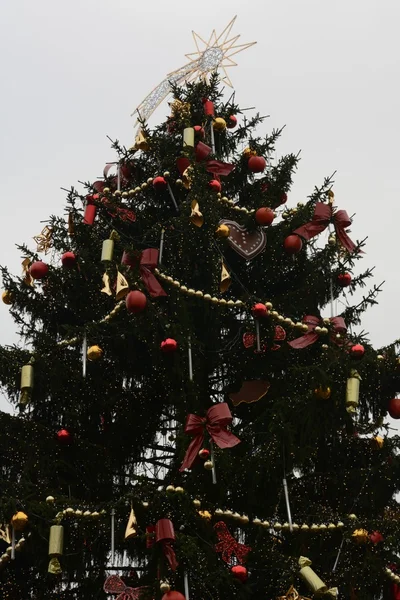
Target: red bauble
(394, 408)
(64, 436)
(357, 351)
(376, 537)
(169, 345)
(257, 164)
(68, 260)
(264, 216)
(173, 595)
(38, 269)
(199, 130)
(259, 310)
(239, 572)
(135, 302)
(231, 122)
(159, 183)
(215, 185)
(204, 453)
(293, 244)
(283, 198)
(344, 279)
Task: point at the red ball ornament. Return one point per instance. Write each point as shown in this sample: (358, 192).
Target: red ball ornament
(204, 453)
(344, 279)
(259, 310)
(199, 130)
(283, 198)
(264, 216)
(215, 185)
(38, 269)
(257, 164)
(159, 183)
(293, 244)
(173, 595)
(376, 537)
(135, 302)
(64, 436)
(68, 260)
(169, 345)
(394, 408)
(357, 351)
(231, 122)
(239, 572)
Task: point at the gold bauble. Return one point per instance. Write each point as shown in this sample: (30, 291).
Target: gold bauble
(323, 392)
(360, 536)
(94, 353)
(179, 490)
(197, 503)
(7, 297)
(19, 521)
(222, 231)
(247, 152)
(164, 587)
(170, 488)
(219, 124)
(50, 499)
(208, 465)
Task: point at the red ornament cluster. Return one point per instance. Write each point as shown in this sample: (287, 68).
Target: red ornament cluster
(357, 351)
(64, 437)
(215, 185)
(240, 572)
(159, 183)
(259, 310)
(231, 122)
(68, 260)
(257, 164)
(344, 279)
(292, 244)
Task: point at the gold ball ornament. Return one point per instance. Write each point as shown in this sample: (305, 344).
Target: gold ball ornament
(247, 152)
(323, 392)
(208, 465)
(222, 231)
(164, 587)
(19, 521)
(360, 536)
(179, 490)
(197, 503)
(332, 240)
(145, 504)
(7, 297)
(94, 353)
(170, 488)
(219, 124)
(50, 500)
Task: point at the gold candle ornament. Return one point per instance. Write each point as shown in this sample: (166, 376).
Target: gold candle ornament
(107, 251)
(352, 392)
(26, 384)
(188, 137)
(316, 585)
(56, 546)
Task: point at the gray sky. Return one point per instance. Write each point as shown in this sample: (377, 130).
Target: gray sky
(72, 72)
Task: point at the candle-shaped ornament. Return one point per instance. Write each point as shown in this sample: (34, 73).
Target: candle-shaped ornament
(108, 248)
(90, 211)
(316, 585)
(26, 384)
(188, 137)
(352, 392)
(56, 546)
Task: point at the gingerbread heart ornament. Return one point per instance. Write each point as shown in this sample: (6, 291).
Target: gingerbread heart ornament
(248, 244)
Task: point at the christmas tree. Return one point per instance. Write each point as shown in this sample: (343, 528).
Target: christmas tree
(196, 417)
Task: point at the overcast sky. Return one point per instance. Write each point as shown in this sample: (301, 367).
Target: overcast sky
(73, 71)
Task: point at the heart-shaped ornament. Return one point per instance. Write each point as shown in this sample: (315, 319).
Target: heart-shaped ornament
(248, 244)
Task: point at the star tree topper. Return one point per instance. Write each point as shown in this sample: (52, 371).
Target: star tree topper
(211, 55)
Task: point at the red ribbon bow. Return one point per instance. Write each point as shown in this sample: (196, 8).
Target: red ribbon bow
(216, 167)
(338, 326)
(217, 418)
(165, 535)
(115, 585)
(147, 264)
(228, 545)
(323, 215)
(249, 339)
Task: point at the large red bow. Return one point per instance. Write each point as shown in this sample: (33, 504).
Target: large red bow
(395, 591)
(228, 545)
(216, 167)
(323, 215)
(115, 585)
(217, 418)
(147, 264)
(338, 326)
